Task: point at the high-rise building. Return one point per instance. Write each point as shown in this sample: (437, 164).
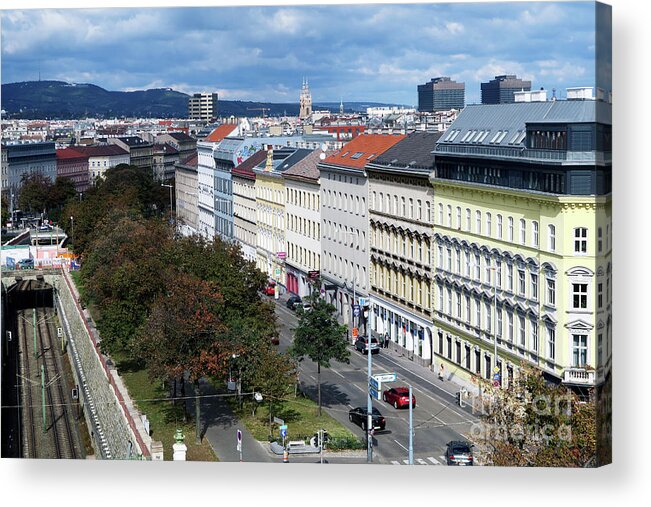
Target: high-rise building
(441, 94)
(501, 89)
(202, 106)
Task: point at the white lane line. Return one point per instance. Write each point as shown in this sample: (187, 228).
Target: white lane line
(335, 371)
(442, 458)
(433, 460)
(359, 388)
(401, 445)
(421, 461)
(405, 461)
(439, 419)
(395, 462)
(312, 377)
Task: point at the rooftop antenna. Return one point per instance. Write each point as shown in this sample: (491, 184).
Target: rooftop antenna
(553, 93)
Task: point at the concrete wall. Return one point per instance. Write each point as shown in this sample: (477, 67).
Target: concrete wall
(115, 425)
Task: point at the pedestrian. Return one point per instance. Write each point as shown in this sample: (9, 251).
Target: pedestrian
(442, 372)
(386, 340)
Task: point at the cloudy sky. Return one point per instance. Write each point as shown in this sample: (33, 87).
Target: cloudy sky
(375, 52)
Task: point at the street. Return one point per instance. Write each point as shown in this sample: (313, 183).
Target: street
(437, 419)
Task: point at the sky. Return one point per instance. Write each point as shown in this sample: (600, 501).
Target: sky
(363, 52)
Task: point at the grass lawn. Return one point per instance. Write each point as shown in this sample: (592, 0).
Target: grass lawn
(300, 416)
(151, 398)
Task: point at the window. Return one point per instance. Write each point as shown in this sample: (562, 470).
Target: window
(498, 324)
(499, 226)
(449, 216)
(478, 221)
(580, 240)
(466, 256)
(534, 286)
(535, 234)
(551, 343)
(600, 340)
(523, 231)
(458, 296)
(551, 233)
(440, 214)
(498, 274)
(468, 311)
(458, 218)
(357, 155)
(509, 277)
(477, 267)
(411, 210)
(468, 219)
(580, 295)
(600, 295)
(477, 312)
(449, 259)
(441, 309)
(488, 224)
(521, 282)
(551, 292)
(599, 239)
(428, 212)
(488, 317)
(458, 261)
(440, 256)
(509, 324)
(403, 207)
(510, 237)
(522, 329)
(579, 350)
(534, 336)
(449, 307)
(488, 269)
(419, 209)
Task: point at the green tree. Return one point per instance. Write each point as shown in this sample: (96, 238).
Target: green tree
(534, 423)
(35, 190)
(320, 337)
(61, 192)
(4, 206)
(184, 334)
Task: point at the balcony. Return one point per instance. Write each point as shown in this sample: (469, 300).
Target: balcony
(579, 376)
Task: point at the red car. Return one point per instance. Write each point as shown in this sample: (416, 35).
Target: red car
(270, 290)
(398, 397)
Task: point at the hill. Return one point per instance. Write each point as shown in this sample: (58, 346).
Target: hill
(61, 100)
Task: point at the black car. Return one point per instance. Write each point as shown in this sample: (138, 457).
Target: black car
(459, 453)
(359, 416)
(361, 344)
(292, 302)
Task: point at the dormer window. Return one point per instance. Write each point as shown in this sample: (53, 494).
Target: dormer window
(357, 155)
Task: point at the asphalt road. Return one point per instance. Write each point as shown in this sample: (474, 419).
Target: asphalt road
(437, 418)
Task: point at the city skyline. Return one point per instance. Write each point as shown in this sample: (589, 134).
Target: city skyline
(369, 57)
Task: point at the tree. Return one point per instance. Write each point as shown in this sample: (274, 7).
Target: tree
(320, 337)
(184, 334)
(534, 423)
(34, 192)
(4, 205)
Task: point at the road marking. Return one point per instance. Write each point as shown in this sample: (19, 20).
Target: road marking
(439, 420)
(339, 374)
(442, 458)
(433, 460)
(405, 461)
(395, 462)
(401, 445)
(421, 461)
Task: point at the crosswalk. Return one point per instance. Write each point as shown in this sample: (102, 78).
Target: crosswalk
(429, 460)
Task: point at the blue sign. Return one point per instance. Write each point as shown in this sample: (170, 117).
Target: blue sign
(356, 310)
(374, 392)
(283, 430)
(496, 376)
(11, 263)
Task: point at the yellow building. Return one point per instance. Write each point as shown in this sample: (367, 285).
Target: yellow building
(522, 241)
(270, 211)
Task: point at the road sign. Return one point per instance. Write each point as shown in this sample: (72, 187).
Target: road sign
(362, 301)
(496, 376)
(312, 275)
(281, 255)
(283, 430)
(385, 377)
(355, 332)
(278, 420)
(322, 291)
(356, 310)
(277, 271)
(496, 369)
(239, 443)
(373, 383)
(374, 393)
(239, 436)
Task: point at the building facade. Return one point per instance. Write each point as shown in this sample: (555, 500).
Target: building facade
(501, 90)
(305, 102)
(345, 221)
(186, 185)
(74, 166)
(523, 241)
(24, 158)
(203, 106)
(245, 224)
(440, 94)
(401, 201)
(164, 159)
(102, 158)
(140, 151)
(303, 223)
(206, 188)
(183, 143)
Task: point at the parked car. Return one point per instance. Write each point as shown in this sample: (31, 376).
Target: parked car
(361, 344)
(270, 290)
(305, 306)
(459, 453)
(398, 397)
(26, 264)
(275, 340)
(293, 301)
(359, 416)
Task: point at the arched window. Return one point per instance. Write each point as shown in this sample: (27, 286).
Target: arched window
(551, 237)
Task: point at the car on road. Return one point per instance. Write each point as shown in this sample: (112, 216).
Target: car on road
(361, 344)
(398, 397)
(293, 301)
(26, 264)
(459, 453)
(306, 307)
(359, 416)
(270, 290)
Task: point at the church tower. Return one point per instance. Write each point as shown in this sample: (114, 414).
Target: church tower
(305, 102)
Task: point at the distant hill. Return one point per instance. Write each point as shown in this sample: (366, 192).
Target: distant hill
(61, 100)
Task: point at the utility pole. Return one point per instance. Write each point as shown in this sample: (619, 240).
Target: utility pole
(411, 428)
(369, 408)
(170, 187)
(43, 395)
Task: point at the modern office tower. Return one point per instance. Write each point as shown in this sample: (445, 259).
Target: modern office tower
(441, 94)
(202, 106)
(501, 89)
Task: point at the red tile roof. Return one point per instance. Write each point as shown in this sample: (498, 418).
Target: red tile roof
(220, 133)
(361, 150)
(69, 153)
(106, 150)
(192, 160)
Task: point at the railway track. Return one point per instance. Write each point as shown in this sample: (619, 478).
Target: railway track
(27, 405)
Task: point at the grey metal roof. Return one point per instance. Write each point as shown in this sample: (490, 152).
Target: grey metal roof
(487, 120)
(413, 151)
(307, 168)
(227, 147)
(283, 159)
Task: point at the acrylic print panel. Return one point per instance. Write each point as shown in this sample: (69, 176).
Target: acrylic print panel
(234, 235)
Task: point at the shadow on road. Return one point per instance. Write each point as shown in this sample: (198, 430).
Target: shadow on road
(330, 394)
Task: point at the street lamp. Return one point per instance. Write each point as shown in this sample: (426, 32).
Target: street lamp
(170, 187)
(72, 219)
